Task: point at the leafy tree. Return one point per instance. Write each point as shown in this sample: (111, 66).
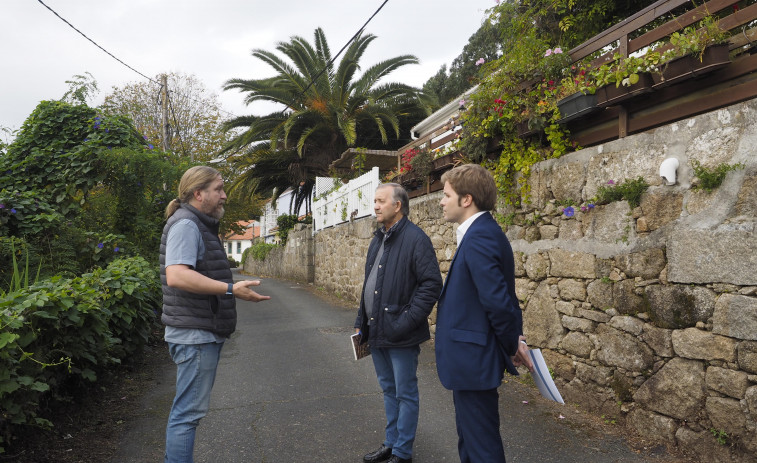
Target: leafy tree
(483, 44)
(83, 188)
(80, 89)
(327, 108)
(195, 114)
(56, 149)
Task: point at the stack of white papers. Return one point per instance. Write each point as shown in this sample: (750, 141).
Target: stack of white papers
(542, 378)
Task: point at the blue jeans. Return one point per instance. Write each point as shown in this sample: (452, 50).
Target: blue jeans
(196, 366)
(396, 369)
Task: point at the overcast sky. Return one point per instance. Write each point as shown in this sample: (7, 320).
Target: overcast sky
(211, 39)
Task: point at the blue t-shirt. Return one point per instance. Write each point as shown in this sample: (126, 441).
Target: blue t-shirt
(184, 246)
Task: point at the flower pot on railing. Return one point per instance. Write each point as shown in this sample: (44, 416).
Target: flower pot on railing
(689, 66)
(611, 94)
(529, 127)
(445, 161)
(576, 105)
(409, 180)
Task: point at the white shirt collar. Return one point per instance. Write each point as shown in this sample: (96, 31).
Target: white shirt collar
(466, 225)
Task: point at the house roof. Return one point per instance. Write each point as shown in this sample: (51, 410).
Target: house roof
(436, 120)
(252, 230)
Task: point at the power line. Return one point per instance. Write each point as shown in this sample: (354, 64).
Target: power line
(121, 61)
(189, 96)
(178, 129)
(331, 61)
(93, 42)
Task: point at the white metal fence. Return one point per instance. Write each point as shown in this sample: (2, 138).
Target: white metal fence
(348, 202)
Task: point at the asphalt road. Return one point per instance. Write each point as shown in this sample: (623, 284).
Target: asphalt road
(288, 390)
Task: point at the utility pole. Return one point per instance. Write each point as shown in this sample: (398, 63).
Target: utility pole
(164, 112)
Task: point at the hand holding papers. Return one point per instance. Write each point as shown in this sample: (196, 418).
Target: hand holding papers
(542, 378)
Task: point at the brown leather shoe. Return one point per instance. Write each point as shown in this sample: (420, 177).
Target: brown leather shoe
(381, 454)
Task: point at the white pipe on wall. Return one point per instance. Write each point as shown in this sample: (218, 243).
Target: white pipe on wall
(668, 170)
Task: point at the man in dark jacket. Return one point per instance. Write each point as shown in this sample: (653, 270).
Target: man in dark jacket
(199, 305)
(402, 284)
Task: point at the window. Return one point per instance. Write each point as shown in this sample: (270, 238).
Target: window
(239, 247)
(228, 247)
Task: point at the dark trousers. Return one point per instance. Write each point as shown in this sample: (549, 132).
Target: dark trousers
(477, 420)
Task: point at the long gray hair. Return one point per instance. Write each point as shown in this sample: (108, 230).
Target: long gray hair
(195, 178)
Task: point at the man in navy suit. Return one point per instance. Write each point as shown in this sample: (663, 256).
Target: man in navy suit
(479, 325)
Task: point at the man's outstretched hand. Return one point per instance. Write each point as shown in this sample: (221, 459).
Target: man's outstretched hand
(242, 290)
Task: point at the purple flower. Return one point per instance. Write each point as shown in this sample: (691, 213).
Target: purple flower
(591, 205)
(13, 211)
(569, 211)
(116, 249)
(2, 206)
(611, 182)
(100, 245)
(584, 208)
(150, 145)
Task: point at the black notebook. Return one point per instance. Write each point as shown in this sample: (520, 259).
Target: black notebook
(359, 350)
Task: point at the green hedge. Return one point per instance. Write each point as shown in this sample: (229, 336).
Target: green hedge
(61, 331)
(258, 251)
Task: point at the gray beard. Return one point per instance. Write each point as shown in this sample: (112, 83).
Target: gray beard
(217, 213)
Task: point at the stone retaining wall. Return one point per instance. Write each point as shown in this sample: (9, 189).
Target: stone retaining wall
(650, 313)
(647, 315)
(293, 261)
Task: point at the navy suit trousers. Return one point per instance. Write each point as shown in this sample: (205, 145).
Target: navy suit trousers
(477, 420)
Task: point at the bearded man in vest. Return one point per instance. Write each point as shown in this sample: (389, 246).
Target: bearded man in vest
(199, 301)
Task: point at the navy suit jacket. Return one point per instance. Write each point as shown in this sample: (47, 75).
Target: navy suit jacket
(478, 319)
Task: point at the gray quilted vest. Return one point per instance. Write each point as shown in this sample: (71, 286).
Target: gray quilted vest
(183, 309)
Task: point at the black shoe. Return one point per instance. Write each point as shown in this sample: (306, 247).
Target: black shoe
(396, 459)
(382, 454)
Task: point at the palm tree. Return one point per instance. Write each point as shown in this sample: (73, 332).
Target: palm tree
(326, 110)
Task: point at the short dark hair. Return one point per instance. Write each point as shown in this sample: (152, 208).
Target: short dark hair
(399, 194)
(474, 180)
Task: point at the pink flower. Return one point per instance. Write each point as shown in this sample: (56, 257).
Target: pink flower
(548, 52)
(462, 102)
(480, 62)
(557, 50)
